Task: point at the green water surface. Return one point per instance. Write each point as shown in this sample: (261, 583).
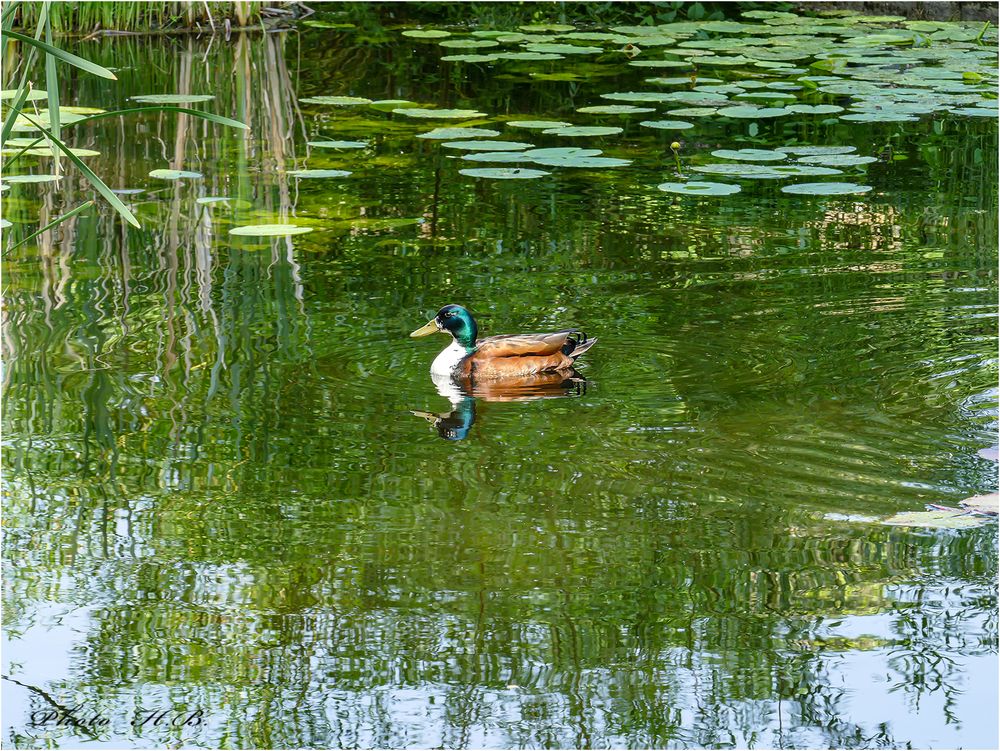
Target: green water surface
(219, 503)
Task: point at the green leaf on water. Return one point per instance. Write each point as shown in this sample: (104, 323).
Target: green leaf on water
(976, 112)
(505, 157)
(615, 109)
(879, 117)
(426, 33)
(387, 105)
(815, 109)
(315, 173)
(339, 101)
(442, 114)
(578, 130)
(984, 504)
(816, 150)
(269, 230)
(660, 63)
(750, 155)
(562, 151)
(32, 95)
(538, 56)
(487, 145)
(470, 58)
(935, 520)
(838, 160)
(447, 134)
(539, 124)
(174, 174)
(172, 98)
(31, 178)
(825, 189)
(505, 173)
(700, 188)
(667, 124)
(753, 113)
(469, 44)
(338, 144)
(564, 49)
(692, 112)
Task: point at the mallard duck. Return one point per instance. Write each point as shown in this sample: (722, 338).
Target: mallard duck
(499, 357)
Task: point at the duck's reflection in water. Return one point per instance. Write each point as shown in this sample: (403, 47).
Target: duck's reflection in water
(463, 394)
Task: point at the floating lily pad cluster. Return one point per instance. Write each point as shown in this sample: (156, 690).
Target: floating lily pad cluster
(780, 163)
(771, 64)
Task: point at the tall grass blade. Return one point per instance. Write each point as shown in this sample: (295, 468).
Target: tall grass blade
(15, 108)
(52, 86)
(68, 215)
(66, 57)
(97, 182)
(19, 154)
(164, 108)
(7, 15)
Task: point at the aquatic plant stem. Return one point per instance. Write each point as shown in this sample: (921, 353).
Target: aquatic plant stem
(68, 215)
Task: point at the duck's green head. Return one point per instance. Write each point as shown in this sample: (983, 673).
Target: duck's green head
(455, 320)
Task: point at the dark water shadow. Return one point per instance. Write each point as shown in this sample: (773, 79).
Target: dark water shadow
(464, 393)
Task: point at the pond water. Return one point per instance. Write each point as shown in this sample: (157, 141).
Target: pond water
(228, 498)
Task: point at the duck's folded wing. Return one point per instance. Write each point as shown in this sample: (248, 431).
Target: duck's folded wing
(521, 345)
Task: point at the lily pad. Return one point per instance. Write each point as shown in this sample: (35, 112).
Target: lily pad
(174, 174)
(815, 109)
(976, 111)
(804, 170)
(838, 160)
(469, 44)
(580, 130)
(582, 158)
(750, 155)
(387, 105)
(447, 134)
(753, 113)
(825, 189)
(565, 49)
(538, 124)
(504, 157)
(269, 230)
(692, 111)
(534, 56)
(879, 117)
(934, 519)
(660, 63)
(562, 151)
(313, 173)
(426, 33)
(667, 124)
(338, 144)
(815, 150)
(486, 145)
(31, 178)
(505, 173)
(749, 171)
(339, 101)
(984, 504)
(615, 109)
(443, 114)
(33, 95)
(470, 58)
(700, 188)
(172, 98)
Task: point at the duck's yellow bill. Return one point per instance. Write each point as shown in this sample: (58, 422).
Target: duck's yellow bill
(427, 329)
